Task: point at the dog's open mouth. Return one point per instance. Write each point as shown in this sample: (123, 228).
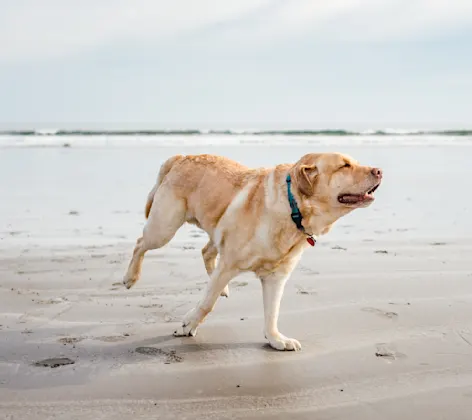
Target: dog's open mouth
(358, 198)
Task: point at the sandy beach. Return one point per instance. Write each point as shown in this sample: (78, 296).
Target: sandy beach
(382, 305)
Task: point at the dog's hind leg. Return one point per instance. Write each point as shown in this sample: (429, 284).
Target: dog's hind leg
(166, 216)
(209, 253)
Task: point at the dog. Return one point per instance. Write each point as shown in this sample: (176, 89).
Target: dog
(258, 220)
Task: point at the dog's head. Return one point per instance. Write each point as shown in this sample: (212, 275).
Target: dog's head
(335, 183)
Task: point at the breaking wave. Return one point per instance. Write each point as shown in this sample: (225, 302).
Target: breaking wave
(195, 132)
(194, 137)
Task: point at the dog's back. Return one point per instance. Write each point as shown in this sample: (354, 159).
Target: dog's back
(194, 179)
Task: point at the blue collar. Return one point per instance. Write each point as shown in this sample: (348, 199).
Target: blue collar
(296, 214)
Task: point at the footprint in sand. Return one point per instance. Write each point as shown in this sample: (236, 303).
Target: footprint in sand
(52, 301)
(240, 284)
(111, 338)
(54, 362)
(302, 291)
(70, 340)
(197, 234)
(388, 352)
(308, 270)
(171, 318)
(380, 312)
(170, 356)
(151, 305)
(15, 232)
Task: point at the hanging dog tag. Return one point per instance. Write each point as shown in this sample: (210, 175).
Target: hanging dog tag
(311, 240)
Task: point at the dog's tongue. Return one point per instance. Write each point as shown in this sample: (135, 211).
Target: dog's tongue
(352, 198)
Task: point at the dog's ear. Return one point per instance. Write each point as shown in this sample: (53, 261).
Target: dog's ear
(306, 177)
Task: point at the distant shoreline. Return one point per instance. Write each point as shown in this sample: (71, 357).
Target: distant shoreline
(196, 132)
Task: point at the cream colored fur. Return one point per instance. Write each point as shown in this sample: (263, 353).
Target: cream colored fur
(246, 214)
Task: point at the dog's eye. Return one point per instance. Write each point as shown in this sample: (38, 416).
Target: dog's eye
(347, 165)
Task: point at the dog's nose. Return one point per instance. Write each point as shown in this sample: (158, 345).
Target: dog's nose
(377, 172)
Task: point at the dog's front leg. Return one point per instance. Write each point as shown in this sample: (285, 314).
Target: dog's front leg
(209, 253)
(218, 281)
(272, 291)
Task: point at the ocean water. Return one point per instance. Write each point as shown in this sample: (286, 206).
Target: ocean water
(193, 137)
(85, 190)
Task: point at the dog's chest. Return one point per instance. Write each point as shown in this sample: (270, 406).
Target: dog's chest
(268, 256)
(284, 262)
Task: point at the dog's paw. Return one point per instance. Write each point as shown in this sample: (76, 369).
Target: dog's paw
(185, 331)
(129, 282)
(189, 326)
(280, 342)
(225, 292)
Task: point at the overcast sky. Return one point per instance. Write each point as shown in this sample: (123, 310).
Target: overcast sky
(236, 63)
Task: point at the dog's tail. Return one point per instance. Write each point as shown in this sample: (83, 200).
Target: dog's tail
(165, 169)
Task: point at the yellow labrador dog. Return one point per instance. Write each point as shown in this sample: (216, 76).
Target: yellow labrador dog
(258, 220)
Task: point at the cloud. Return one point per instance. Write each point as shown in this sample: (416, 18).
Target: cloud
(406, 19)
(31, 29)
(359, 20)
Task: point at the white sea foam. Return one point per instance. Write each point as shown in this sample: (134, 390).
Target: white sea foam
(119, 141)
(47, 131)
